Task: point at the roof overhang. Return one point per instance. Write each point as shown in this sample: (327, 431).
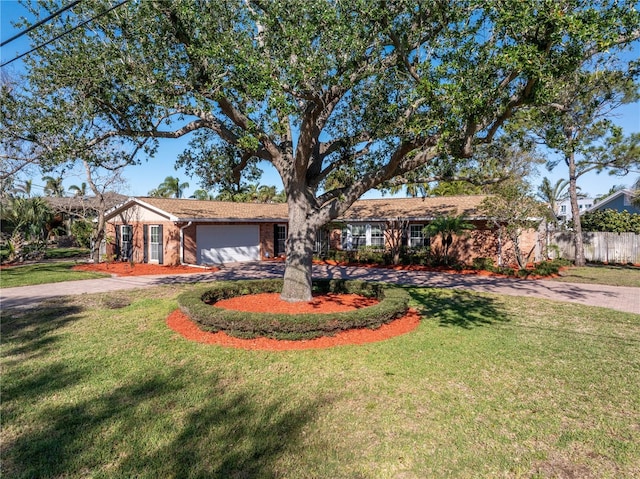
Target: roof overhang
(116, 210)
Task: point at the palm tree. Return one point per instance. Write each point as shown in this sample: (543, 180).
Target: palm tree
(170, 188)
(266, 194)
(201, 194)
(553, 194)
(27, 218)
(612, 190)
(79, 191)
(412, 190)
(447, 226)
(251, 194)
(53, 186)
(24, 189)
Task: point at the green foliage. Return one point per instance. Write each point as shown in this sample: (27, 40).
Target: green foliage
(28, 216)
(199, 305)
(485, 264)
(611, 221)
(170, 188)
(447, 227)
(371, 255)
(82, 231)
(545, 268)
(359, 91)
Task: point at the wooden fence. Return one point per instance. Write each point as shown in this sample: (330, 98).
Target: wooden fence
(618, 248)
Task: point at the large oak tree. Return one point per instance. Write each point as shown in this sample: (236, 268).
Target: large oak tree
(366, 90)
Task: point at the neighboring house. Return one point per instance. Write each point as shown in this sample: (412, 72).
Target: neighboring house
(564, 213)
(71, 208)
(173, 231)
(619, 201)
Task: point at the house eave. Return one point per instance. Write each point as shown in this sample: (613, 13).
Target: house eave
(230, 220)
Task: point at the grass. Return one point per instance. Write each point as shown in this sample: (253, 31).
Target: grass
(63, 253)
(487, 386)
(42, 273)
(611, 275)
(53, 253)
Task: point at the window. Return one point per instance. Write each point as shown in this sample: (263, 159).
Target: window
(563, 209)
(281, 239)
(354, 236)
(358, 236)
(154, 243)
(416, 236)
(321, 245)
(126, 239)
(377, 236)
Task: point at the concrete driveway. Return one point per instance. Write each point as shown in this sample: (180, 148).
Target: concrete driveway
(619, 298)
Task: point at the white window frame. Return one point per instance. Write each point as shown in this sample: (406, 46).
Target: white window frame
(152, 244)
(322, 241)
(377, 240)
(416, 240)
(359, 235)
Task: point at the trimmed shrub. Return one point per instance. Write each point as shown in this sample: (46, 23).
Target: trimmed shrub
(485, 264)
(199, 305)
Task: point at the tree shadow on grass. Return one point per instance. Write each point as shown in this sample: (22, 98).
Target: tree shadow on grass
(464, 309)
(143, 429)
(31, 332)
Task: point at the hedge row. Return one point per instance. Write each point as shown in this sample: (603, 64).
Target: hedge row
(199, 305)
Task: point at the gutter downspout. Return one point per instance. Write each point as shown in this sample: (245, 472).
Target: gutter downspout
(182, 262)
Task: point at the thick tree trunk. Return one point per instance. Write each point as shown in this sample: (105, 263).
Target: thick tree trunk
(299, 254)
(575, 211)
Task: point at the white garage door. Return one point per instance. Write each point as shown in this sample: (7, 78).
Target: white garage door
(227, 244)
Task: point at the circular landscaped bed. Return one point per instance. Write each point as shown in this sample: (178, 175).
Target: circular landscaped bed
(199, 304)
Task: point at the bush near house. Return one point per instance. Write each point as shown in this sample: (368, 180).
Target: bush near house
(611, 221)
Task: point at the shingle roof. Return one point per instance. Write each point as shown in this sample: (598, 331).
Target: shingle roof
(367, 210)
(415, 208)
(74, 203)
(189, 209)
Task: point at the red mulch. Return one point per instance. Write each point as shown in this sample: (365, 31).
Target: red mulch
(271, 302)
(139, 269)
(438, 269)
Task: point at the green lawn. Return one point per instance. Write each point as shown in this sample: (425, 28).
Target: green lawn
(42, 273)
(98, 386)
(603, 274)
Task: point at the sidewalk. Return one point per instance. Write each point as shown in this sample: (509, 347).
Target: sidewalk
(625, 299)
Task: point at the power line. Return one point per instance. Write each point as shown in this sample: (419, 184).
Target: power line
(53, 15)
(64, 33)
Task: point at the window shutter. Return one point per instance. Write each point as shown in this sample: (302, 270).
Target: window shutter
(161, 248)
(145, 242)
(116, 251)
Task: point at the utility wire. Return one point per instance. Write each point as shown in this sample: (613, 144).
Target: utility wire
(53, 15)
(64, 33)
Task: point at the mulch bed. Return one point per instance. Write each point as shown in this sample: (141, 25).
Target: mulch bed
(271, 302)
(140, 269)
(437, 269)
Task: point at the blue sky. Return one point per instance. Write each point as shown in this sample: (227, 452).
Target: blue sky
(140, 179)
